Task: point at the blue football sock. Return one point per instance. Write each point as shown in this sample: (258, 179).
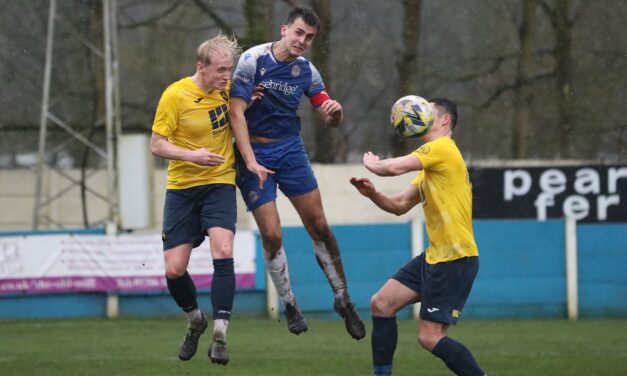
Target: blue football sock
(183, 291)
(383, 340)
(223, 288)
(457, 357)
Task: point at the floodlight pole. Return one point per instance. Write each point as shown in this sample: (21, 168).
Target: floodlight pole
(43, 120)
(117, 101)
(113, 125)
(112, 214)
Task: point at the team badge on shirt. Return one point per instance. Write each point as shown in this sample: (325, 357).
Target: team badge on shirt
(295, 71)
(424, 149)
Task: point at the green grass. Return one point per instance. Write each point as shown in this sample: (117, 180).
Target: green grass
(130, 346)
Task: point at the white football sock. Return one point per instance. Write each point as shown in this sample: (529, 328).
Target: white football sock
(194, 317)
(278, 270)
(328, 267)
(219, 329)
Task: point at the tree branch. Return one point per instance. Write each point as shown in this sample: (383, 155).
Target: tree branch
(222, 24)
(511, 86)
(150, 20)
(291, 2)
(548, 10)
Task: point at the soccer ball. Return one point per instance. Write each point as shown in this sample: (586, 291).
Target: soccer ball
(411, 116)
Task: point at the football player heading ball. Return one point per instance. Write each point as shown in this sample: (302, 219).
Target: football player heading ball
(275, 144)
(442, 276)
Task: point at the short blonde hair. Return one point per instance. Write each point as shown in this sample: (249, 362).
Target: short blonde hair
(218, 45)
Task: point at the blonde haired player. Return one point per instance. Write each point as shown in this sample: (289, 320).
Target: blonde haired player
(192, 130)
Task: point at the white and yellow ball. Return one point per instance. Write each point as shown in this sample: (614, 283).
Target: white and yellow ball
(412, 116)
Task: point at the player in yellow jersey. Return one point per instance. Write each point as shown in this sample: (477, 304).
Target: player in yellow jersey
(192, 130)
(442, 277)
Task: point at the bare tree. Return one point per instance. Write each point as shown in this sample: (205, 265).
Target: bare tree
(259, 16)
(510, 79)
(324, 144)
(408, 63)
(562, 22)
(522, 93)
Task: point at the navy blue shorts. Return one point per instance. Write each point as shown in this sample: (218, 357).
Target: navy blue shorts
(443, 287)
(189, 213)
(292, 172)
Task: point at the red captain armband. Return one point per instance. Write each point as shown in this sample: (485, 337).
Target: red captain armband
(318, 99)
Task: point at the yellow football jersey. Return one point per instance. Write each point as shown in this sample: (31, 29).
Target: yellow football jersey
(192, 119)
(447, 201)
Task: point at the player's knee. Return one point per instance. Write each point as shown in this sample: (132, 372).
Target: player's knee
(320, 230)
(174, 271)
(374, 306)
(272, 243)
(223, 251)
(427, 340)
(379, 306)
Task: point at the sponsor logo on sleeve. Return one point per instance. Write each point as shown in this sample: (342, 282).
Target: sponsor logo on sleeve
(241, 79)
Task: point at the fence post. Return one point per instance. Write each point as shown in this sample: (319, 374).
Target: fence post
(113, 306)
(572, 293)
(417, 247)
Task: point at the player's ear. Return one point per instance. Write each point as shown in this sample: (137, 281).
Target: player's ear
(446, 119)
(283, 30)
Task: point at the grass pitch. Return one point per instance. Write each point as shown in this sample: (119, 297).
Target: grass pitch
(131, 346)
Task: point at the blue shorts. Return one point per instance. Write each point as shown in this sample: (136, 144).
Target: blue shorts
(443, 287)
(189, 213)
(292, 172)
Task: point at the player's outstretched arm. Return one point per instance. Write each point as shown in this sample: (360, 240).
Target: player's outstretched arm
(240, 131)
(161, 147)
(397, 204)
(391, 166)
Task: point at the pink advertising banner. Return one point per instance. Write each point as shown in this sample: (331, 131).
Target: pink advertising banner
(97, 263)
